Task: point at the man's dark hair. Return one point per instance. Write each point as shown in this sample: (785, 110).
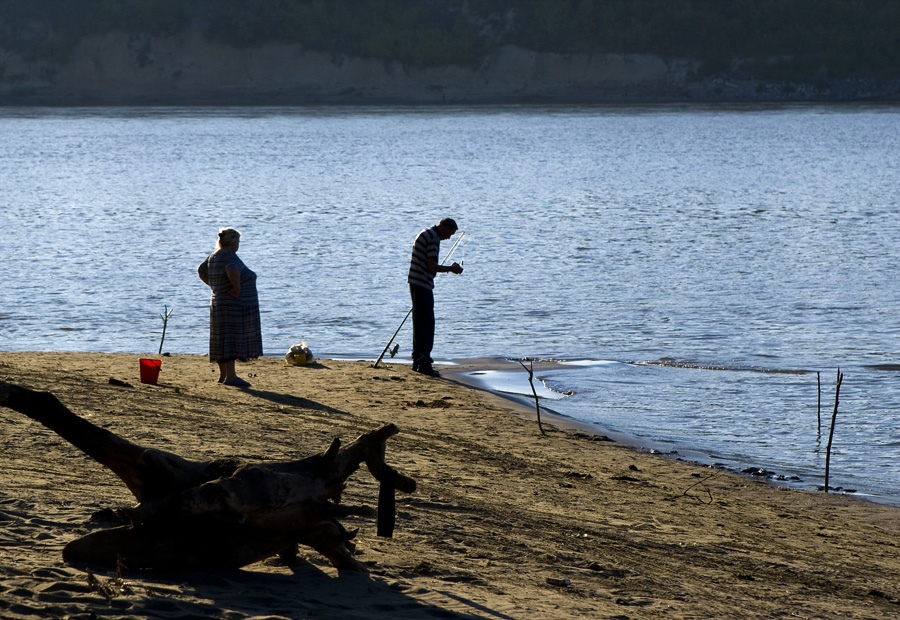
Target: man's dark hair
(450, 223)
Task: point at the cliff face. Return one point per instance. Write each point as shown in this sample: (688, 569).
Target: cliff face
(121, 69)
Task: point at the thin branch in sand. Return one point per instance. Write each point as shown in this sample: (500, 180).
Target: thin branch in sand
(530, 370)
(819, 403)
(165, 319)
(703, 482)
(837, 391)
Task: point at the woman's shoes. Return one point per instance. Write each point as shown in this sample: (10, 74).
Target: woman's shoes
(238, 382)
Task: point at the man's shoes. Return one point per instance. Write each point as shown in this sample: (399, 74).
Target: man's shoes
(431, 372)
(237, 383)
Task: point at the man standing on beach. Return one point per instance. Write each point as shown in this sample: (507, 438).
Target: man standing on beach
(422, 269)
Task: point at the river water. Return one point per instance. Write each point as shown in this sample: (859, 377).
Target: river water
(695, 267)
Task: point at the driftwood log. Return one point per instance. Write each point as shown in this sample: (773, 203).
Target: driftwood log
(222, 513)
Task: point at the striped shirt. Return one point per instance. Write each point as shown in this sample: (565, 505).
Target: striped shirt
(427, 245)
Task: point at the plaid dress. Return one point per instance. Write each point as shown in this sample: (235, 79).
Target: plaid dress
(234, 325)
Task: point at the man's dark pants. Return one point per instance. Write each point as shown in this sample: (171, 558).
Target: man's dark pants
(423, 326)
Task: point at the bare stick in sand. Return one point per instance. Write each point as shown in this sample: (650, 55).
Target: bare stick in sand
(819, 403)
(537, 406)
(220, 513)
(837, 391)
(165, 319)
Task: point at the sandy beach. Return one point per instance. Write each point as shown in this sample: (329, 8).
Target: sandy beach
(502, 516)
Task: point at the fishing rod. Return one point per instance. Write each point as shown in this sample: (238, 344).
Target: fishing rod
(403, 322)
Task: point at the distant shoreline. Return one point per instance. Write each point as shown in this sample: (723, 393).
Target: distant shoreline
(325, 101)
(112, 70)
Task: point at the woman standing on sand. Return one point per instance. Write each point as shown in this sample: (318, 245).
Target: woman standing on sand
(234, 325)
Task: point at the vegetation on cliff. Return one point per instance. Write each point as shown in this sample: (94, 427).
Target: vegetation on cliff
(800, 40)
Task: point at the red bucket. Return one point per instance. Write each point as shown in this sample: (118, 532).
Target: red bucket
(150, 371)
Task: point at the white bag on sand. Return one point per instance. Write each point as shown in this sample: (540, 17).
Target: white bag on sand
(299, 355)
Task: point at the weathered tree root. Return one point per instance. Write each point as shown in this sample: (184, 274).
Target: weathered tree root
(221, 513)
